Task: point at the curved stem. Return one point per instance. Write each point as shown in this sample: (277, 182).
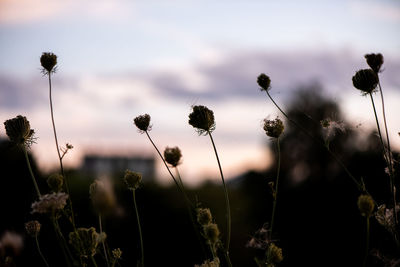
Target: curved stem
(276, 185)
(228, 208)
(366, 244)
(139, 228)
(103, 243)
(60, 157)
(40, 252)
(359, 186)
(31, 172)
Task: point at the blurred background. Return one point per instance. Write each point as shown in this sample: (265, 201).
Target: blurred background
(121, 59)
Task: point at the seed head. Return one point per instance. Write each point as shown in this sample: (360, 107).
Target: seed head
(365, 80)
(204, 216)
(32, 228)
(375, 61)
(202, 118)
(264, 82)
(55, 182)
(84, 241)
(132, 179)
(48, 62)
(274, 254)
(273, 128)
(117, 253)
(208, 263)
(366, 205)
(102, 196)
(50, 203)
(211, 233)
(143, 122)
(172, 155)
(19, 131)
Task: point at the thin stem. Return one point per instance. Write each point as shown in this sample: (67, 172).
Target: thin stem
(366, 244)
(139, 228)
(93, 261)
(61, 241)
(60, 157)
(31, 172)
(276, 185)
(228, 208)
(40, 252)
(359, 186)
(104, 246)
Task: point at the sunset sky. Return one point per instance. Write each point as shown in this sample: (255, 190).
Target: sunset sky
(119, 59)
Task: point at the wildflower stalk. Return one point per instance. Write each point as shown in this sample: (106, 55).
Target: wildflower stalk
(31, 172)
(61, 240)
(276, 185)
(228, 209)
(102, 241)
(139, 228)
(93, 261)
(60, 157)
(358, 184)
(40, 252)
(366, 243)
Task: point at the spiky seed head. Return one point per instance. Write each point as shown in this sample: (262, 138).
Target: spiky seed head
(48, 61)
(366, 205)
(204, 216)
(84, 241)
(273, 128)
(202, 119)
(55, 182)
(211, 233)
(172, 155)
(32, 228)
(19, 131)
(117, 253)
(132, 179)
(143, 122)
(274, 254)
(264, 82)
(374, 61)
(365, 80)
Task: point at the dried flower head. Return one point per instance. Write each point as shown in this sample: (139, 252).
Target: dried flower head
(172, 155)
(143, 122)
(50, 203)
(273, 128)
(208, 263)
(117, 253)
(204, 216)
(264, 82)
(132, 179)
(202, 118)
(55, 182)
(19, 131)
(102, 196)
(11, 244)
(374, 61)
(48, 62)
(211, 233)
(274, 254)
(385, 217)
(331, 127)
(84, 241)
(366, 205)
(32, 228)
(365, 80)
(261, 238)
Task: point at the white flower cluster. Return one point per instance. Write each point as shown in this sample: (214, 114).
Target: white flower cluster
(49, 203)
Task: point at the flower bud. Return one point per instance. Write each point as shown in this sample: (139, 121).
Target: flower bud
(366, 205)
(48, 61)
(103, 199)
(117, 253)
(273, 128)
(55, 182)
(202, 118)
(274, 254)
(32, 228)
(19, 131)
(211, 233)
(172, 155)
(264, 82)
(204, 216)
(143, 122)
(132, 179)
(365, 80)
(375, 61)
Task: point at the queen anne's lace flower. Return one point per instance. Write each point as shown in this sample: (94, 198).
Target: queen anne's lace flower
(50, 203)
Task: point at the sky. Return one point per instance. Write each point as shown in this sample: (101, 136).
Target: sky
(120, 59)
